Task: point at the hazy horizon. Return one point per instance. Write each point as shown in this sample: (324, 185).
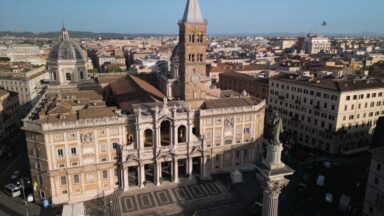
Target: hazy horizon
(225, 17)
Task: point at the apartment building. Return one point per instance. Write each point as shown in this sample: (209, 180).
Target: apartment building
(25, 84)
(332, 115)
(374, 195)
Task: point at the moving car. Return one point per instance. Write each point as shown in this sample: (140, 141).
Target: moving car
(15, 175)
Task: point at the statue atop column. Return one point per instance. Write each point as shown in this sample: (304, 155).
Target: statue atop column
(271, 170)
(275, 128)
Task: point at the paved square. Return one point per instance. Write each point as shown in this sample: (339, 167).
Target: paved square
(128, 204)
(171, 199)
(181, 194)
(146, 201)
(163, 197)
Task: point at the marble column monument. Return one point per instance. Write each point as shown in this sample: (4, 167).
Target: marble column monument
(271, 170)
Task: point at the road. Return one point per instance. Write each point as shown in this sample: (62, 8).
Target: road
(19, 161)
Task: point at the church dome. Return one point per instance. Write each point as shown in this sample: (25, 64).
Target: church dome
(176, 53)
(66, 49)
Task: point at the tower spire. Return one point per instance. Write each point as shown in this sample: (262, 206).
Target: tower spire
(192, 13)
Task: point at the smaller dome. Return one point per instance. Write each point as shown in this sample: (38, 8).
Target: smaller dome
(66, 49)
(176, 53)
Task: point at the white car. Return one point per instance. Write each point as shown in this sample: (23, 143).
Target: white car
(327, 164)
(15, 175)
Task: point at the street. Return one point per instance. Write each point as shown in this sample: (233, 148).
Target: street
(8, 164)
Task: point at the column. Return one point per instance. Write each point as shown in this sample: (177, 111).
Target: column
(272, 189)
(176, 170)
(157, 173)
(125, 178)
(174, 134)
(204, 166)
(158, 137)
(189, 167)
(141, 175)
(270, 203)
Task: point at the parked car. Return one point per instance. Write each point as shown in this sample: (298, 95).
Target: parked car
(327, 164)
(302, 186)
(10, 154)
(12, 190)
(15, 175)
(306, 177)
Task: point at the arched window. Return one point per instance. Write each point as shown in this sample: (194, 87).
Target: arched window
(182, 134)
(192, 57)
(165, 133)
(201, 38)
(148, 138)
(192, 37)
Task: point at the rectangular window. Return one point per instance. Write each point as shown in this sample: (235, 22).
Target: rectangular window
(114, 131)
(73, 151)
(68, 76)
(247, 130)
(245, 152)
(103, 148)
(41, 181)
(105, 174)
(76, 179)
(60, 153)
(63, 180)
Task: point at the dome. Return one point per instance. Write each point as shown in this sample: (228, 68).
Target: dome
(176, 53)
(66, 49)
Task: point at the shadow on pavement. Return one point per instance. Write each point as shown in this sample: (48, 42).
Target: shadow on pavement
(8, 210)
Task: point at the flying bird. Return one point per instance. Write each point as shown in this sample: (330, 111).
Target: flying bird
(324, 23)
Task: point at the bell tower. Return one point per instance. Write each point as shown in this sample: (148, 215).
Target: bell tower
(194, 81)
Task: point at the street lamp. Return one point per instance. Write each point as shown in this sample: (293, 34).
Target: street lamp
(21, 183)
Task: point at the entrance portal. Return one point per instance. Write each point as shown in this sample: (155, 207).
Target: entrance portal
(166, 170)
(196, 165)
(133, 177)
(182, 167)
(149, 173)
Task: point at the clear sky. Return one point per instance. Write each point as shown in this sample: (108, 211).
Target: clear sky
(224, 16)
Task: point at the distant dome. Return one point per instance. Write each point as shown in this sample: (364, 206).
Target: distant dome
(176, 53)
(66, 49)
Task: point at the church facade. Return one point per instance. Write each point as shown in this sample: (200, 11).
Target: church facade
(81, 147)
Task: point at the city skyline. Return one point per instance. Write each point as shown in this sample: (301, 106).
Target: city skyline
(228, 17)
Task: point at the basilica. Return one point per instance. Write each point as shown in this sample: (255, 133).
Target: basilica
(88, 137)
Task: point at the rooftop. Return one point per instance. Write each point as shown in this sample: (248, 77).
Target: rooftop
(339, 85)
(131, 90)
(72, 106)
(3, 92)
(230, 102)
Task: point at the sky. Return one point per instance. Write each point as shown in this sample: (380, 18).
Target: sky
(224, 16)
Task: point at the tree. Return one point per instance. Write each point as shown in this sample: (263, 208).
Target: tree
(5, 59)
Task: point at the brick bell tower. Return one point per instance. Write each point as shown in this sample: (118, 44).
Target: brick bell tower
(194, 82)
